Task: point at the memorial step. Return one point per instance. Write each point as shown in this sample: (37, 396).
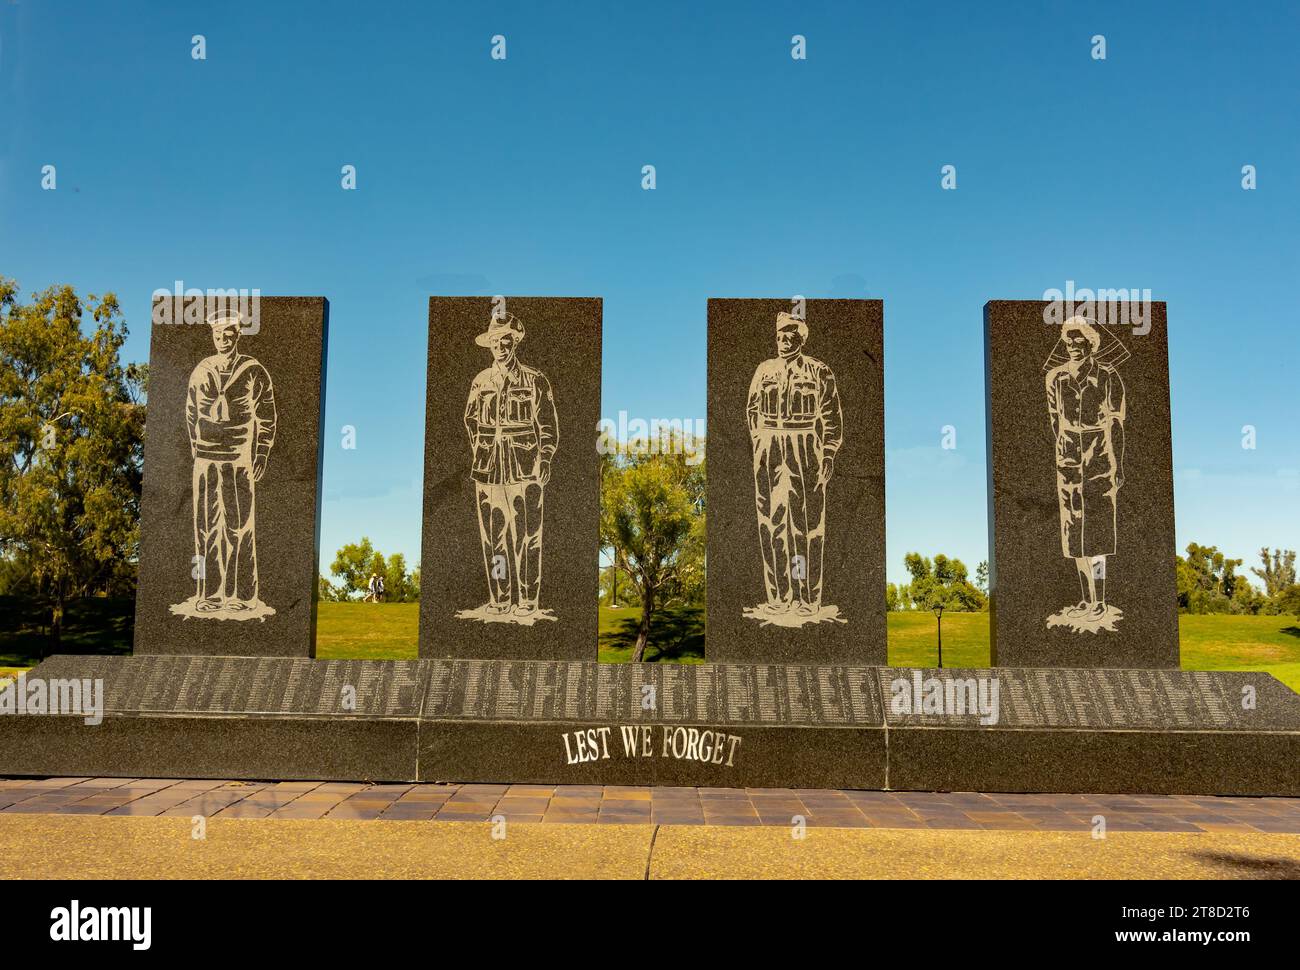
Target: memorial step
(708, 725)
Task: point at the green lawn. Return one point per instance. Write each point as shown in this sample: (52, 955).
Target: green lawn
(676, 636)
(367, 631)
(389, 631)
(913, 643)
(1269, 643)
(1209, 642)
(1272, 643)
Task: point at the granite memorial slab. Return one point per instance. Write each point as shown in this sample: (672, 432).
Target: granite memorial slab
(716, 725)
(1142, 731)
(712, 725)
(250, 687)
(1081, 505)
(511, 478)
(219, 717)
(229, 517)
(796, 484)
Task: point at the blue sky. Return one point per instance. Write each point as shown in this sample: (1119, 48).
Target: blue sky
(775, 176)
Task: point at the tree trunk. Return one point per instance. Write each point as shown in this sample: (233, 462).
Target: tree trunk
(643, 631)
(939, 620)
(56, 620)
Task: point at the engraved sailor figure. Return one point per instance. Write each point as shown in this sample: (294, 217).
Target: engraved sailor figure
(795, 429)
(230, 417)
(1087, 408)
(513, 434)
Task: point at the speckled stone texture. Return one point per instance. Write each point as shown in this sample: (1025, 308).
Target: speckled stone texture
(286, 747)
(716, 725)
(711, 725)
(847, 337)
(768, 755)
(1082, 730)
(204, 717)
(250, 686)
(563, 342)
(1030, 576)
(290, 344)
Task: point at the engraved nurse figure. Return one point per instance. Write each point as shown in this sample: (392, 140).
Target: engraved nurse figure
(1087, 408)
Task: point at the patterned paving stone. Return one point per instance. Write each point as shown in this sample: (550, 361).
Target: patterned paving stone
(645, 806)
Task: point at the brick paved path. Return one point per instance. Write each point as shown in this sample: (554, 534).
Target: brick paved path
(668, 806)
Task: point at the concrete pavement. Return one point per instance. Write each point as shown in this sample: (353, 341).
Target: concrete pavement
(34, 846)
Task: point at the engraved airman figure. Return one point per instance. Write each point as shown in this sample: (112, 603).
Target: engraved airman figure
(795, 428)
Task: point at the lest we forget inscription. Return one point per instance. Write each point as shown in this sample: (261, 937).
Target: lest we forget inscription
(1080, 468)
(652, 723)
(796, 484)
(511, 478)
(229, 518)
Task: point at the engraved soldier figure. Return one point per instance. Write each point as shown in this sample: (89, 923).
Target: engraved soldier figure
(230, 416)
(1087, 408)
(513, 433)
(795, 428)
